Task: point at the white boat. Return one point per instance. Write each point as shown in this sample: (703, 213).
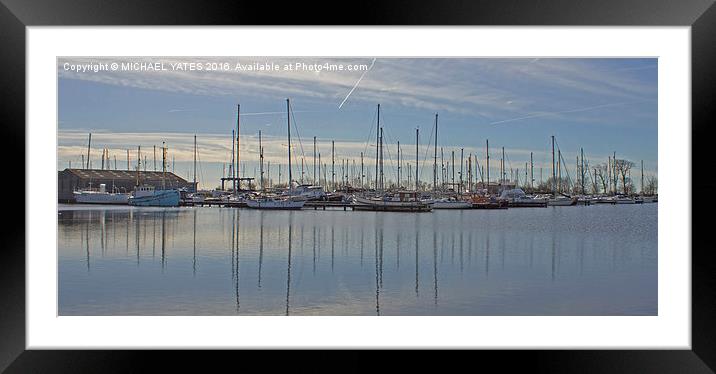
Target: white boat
(604, 200)
(149, 196)
(516, 197)
(562, 201)
(308, 192)
(624, 200)
(450, 203)
(100, 197)
(276, 203)
(399, 202)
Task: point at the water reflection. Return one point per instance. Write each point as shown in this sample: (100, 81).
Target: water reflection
(288, 267)
(549, 262)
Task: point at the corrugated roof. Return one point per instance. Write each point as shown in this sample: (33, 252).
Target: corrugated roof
(124, 174)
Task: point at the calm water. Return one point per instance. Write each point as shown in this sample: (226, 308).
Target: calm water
(596, 260)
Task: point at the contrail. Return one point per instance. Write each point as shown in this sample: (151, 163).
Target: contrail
(543, 114)
(356, 85)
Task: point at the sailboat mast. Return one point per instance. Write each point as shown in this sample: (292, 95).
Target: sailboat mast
(333, 164)
(164, 166)
(261, 162)
(377, 141)
(288, 121)
(195, 185)
(89, 145)
(417, 140)
(139, 159)
(233, 166)
(504, 173)
(238, 129)
(398, 164)
(362, 173)
(462, 150)
(487, 142)
(435, 156)
(382, 182)
(581, 171)
(532, 172)
(554, 171)
(559, 168)
(314, 161)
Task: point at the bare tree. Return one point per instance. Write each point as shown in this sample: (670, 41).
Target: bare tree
(651, 186)
(622, 168)
(601, 177)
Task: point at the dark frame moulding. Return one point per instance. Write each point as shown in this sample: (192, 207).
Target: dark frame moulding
(16, 15)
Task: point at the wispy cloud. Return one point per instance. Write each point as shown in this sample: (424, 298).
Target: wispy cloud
(544, 114)
(486, 88)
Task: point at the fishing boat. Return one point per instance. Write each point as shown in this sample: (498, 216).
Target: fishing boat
(403, 201)
(149, 196)
(101, 196)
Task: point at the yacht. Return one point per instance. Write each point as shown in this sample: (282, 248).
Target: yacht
(562, 201)
(517, 198)
(308, 192)
(451, 203)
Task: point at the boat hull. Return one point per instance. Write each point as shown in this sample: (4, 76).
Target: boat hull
(101, 198)
(524, 203)
(161, 198)
(452, 205)
(276, 204)
(391, 206)
(566, 202)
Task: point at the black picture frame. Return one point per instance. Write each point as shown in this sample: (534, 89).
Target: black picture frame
(16, 15)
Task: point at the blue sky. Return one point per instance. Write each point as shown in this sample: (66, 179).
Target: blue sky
(602, 105)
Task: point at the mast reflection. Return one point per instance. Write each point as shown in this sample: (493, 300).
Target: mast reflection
(288, 267)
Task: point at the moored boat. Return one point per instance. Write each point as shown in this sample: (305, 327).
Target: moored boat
(100, 197)
(562, 201)
(404, 201)
(517, 198)
(275, 203)
(450, 203)
(149, 196)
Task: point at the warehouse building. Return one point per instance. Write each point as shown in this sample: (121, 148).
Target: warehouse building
(70, 180)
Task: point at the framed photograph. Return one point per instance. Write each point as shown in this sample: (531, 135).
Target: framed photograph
(488, 179)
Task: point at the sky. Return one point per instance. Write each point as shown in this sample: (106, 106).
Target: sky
(599, 105)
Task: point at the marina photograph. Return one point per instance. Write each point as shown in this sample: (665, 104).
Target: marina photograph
(362, 186)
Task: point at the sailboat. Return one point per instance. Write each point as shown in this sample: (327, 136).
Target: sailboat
(279, 202)
(148, 195)
(401, 201)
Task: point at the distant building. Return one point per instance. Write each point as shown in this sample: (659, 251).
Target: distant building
(70, 180)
